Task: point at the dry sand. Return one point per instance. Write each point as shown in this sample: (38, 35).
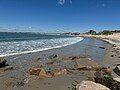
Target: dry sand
(113, 39)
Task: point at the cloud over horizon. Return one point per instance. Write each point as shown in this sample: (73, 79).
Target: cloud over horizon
(62, 2)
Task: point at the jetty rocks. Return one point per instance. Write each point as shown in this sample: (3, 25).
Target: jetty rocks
(89, 85)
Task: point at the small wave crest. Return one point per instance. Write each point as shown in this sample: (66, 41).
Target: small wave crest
(24, 47)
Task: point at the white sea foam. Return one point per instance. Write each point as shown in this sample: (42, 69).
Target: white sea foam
(24, 47)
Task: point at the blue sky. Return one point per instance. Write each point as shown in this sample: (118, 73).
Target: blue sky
(62, 15)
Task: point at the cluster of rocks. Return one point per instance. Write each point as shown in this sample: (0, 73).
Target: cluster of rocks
(42, 73)
(116, 50)
(102, 75)
(102, 80)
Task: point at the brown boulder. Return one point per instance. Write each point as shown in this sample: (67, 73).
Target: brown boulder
(58, 72)
(39, 72)
(34, 71)
(43, 74)
(86, 64)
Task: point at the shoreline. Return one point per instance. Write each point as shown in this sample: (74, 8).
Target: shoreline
(40, 50)
(85, 50)
(73, 47)
(112, 53)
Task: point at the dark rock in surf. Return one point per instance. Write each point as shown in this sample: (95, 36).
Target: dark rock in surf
(2, 62)
(102, 47)
(74, 57)
(53, 56)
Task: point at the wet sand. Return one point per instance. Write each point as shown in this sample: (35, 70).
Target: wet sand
(112, 58)
(112, 52)
(90, 48)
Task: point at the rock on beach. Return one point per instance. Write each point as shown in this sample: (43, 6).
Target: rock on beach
(2, 62)
(89, 85)
(86, 64)
(117, 69)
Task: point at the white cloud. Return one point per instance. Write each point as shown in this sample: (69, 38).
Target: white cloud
(57, 30)
(71, 2)
(29, 27)
(103, 5)
(61, 2)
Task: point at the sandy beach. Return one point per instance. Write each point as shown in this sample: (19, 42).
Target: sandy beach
(60, 44)
(62, 58)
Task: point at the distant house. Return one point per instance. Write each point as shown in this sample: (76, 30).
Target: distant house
(92, 32)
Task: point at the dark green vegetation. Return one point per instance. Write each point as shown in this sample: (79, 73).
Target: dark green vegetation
(107, 32)
(94, 32)
(104, 32)
(109, 82)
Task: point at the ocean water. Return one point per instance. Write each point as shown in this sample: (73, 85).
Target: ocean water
(20, 43)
